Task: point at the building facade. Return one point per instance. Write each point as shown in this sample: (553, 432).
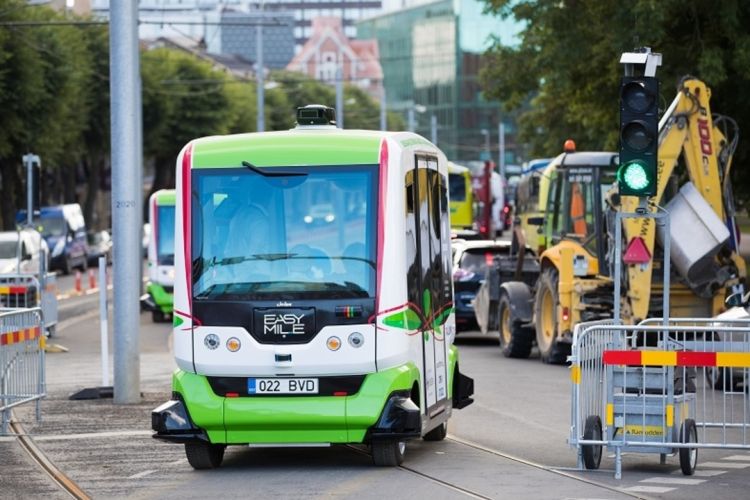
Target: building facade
(431, 55)
(194, 13)
(329, 55)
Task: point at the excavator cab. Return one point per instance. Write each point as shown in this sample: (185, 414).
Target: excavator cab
(576, 206)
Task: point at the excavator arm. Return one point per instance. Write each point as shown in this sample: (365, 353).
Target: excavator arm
(686, 130)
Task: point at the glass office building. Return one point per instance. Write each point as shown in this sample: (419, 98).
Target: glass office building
(431, 55)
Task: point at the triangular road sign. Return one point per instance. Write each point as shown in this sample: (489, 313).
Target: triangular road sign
(637, 253)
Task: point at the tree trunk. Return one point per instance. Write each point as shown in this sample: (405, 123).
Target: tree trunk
(12, 199)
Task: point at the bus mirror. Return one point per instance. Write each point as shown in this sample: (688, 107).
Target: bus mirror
(736, 300)
(535, 221)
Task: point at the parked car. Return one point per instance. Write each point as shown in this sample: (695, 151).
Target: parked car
(21, 258)
(64, 230)
(321, 213)
(471, 259)
(100, 243)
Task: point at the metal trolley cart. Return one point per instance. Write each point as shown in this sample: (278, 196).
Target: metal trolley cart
(645, 407)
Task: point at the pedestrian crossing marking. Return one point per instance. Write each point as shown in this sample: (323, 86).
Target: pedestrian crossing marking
(649, 489)
(674, 480)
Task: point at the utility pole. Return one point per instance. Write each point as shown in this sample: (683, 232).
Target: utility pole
(383, 113)
(501, 149)
(126, 195)
(339, 94)
(259, 76)
(433, 129)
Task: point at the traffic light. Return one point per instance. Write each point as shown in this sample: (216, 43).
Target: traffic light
(639, 135)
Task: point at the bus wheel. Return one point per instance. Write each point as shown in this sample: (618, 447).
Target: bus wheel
(514, 341)
(202, 455)
(438, 433)
(388, 452)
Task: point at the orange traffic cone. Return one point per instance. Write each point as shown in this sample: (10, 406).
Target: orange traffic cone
(92, 279)
(79, 285)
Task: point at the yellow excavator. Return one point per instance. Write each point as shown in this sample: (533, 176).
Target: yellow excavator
(576, 269)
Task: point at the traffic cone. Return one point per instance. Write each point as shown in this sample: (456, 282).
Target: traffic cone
(92, 279)
(79, 286)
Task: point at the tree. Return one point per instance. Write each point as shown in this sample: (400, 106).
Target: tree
(564, 75)
(43, 71)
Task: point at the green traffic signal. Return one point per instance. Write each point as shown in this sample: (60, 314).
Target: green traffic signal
(639, 132)
(635, 179)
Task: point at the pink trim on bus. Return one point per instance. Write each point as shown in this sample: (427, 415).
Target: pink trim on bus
(155, 229)
(187, 159)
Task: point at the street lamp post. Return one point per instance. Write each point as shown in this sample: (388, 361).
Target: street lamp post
(486, 134)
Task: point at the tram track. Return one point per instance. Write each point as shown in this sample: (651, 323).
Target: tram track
(469, 493)
(45, 464)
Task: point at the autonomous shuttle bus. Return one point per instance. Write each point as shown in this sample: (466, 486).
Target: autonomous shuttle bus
(159, 291)
(313, 296)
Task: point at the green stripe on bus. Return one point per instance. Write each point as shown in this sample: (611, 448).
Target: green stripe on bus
(292, 148)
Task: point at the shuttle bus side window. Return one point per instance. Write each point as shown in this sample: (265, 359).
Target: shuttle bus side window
(412, 244)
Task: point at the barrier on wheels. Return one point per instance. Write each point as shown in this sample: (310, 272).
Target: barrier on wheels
(22, 371)
(660, 387)
(27, 291)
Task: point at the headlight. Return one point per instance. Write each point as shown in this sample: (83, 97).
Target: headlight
(330, 218)
(308, 219)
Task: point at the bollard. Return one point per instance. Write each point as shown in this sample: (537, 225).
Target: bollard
(78, 285)
(92, 279)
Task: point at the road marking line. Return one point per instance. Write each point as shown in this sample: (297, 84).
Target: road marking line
(727, 465)
(90, 435)
(649, 489)
(673, 480)
(745, 458)
(141, 474)
(706, 473)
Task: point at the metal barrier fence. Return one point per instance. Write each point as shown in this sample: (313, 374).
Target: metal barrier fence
(660, 388)
(27, 291)
(22, 371)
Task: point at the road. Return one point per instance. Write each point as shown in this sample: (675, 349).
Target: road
(510, 443)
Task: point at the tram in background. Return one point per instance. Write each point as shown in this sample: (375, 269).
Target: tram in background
(159, 290)
(313, 294)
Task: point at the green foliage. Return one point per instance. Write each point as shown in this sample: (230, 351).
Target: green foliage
(564, 75)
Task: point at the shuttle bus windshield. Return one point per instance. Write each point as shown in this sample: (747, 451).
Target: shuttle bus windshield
(293, 233)
(165, 238)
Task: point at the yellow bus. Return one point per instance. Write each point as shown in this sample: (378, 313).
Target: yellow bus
(461, 198)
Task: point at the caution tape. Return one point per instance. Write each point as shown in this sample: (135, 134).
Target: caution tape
(678, 358)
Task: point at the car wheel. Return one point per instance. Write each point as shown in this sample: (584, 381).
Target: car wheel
(388, 452)
(202, 455)
(66, 267)
(515, 340)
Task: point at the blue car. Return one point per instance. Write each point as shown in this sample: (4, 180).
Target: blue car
(64, 230)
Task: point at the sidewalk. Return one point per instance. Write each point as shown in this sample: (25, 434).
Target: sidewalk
(92, 441)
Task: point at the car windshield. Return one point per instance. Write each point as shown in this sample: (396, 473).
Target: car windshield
(165, 238)
(51, 225)
(476, 260)
(457, 187)
(8, 249)
(299, 233)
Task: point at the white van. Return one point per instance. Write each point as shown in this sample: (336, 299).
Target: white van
(24, 256)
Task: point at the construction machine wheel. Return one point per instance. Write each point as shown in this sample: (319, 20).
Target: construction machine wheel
(515, 341)
(592, 453)
(688, 456)
(545, 314)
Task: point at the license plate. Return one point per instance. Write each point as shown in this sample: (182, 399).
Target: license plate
(282, 386)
